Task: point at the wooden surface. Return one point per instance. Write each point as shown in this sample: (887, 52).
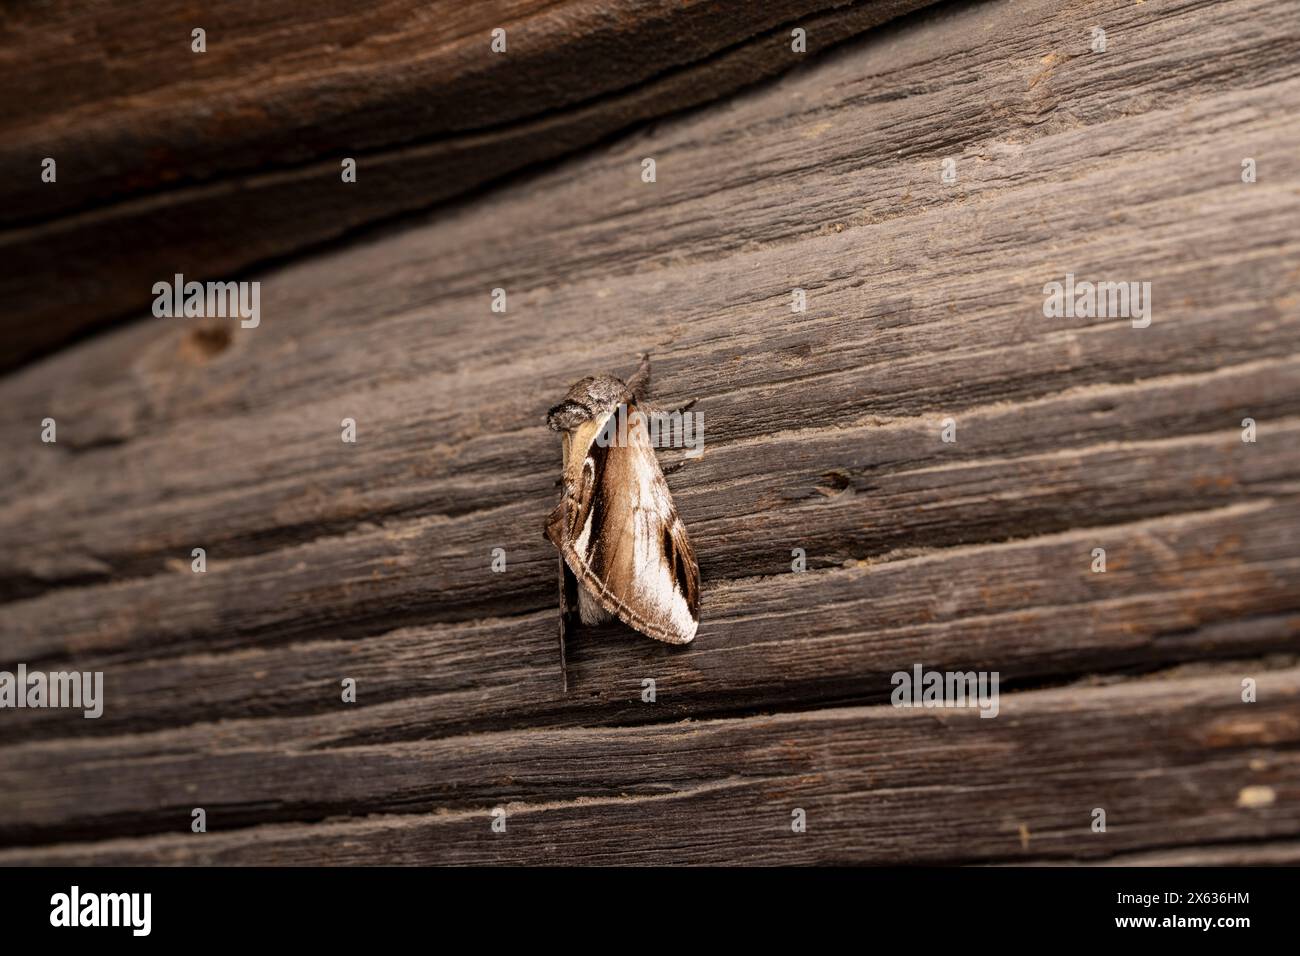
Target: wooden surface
(208, 164)
(372, 561)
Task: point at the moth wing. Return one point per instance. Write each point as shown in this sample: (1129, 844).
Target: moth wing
(626, 543)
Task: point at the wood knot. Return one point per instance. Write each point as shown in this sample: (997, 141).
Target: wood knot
(205, 343)
(834, 483)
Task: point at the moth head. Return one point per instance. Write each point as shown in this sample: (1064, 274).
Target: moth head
(589, 398)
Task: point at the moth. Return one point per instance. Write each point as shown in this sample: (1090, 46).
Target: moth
(624, 551)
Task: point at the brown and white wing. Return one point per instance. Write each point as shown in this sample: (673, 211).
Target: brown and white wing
(618, 530)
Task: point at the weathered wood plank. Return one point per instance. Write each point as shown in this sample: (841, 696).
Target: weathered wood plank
(438, 568)
(1275, 853)
(258, 484)
(1206, 584)
(372, 561)
(1241, 313)
(1224, 582)
(205, 164)
(1171, 760)
(125, 511)
(554, 232)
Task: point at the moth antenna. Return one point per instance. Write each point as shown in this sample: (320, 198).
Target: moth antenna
(651, 407)
(639, 383)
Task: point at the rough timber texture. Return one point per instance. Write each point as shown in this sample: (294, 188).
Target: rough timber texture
(209, 163)
(875, 782)
(1120, 690)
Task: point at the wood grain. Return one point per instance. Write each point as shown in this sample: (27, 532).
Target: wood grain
(208, 164)
(879, 784)
(372, 560)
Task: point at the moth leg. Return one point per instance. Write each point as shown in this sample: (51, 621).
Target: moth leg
(568, 618)
(651, 409)
(564, 664)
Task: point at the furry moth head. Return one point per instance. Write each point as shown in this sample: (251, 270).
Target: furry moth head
(623, 548)
(587, 399)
